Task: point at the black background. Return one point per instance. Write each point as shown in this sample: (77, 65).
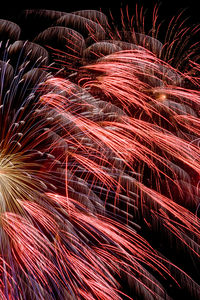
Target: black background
(168, 8)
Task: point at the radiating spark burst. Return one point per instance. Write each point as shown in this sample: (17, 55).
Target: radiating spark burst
(51, 246)
(98, 172)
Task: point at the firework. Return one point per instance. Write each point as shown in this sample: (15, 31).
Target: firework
(99, 159)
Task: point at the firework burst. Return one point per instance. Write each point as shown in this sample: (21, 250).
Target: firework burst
(99, 159)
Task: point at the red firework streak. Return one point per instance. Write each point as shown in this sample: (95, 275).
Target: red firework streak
(99, 158)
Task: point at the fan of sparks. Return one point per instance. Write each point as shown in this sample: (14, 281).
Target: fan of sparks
(99, 160)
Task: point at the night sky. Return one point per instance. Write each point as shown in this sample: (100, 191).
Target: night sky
(168, 7)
